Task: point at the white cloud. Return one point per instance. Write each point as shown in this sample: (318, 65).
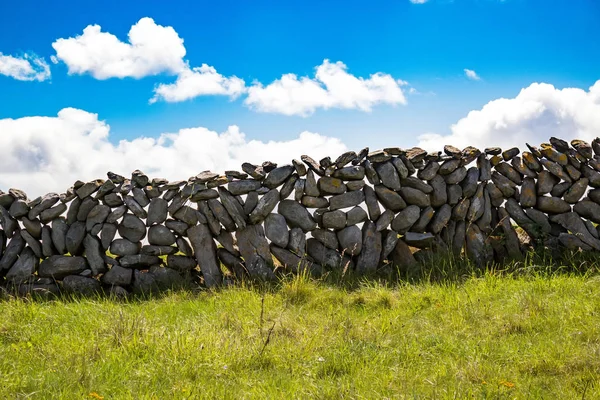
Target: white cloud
(469, 73)
(204, 80)
(418, 1)
(332, 87)
(47, 154)
(29, 67)
(152, 49)
(533, 116)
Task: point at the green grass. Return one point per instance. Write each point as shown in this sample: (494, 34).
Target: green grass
(530, 333)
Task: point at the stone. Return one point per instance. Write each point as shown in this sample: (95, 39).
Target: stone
(575, 225)
(456, 176)
(355, 216)
(277, 176)
(152, 250)
(24, 267)
(372, 203)
(545, 182)
(460, 211)
(88, 188)
(265, 205)
(314, 202)
(81, 285)
(416, 183)
(390, 199)
(415, 197)
(139, 179)
(167, 278)
(403, 259)
(212, 222)
(350, 240)
(276, 230)
(233, 207)
(328, 238)
(439, 196)
(485, 221)
(131, 228)
(52, 213)
(47, 246)
(419, 240)
(415, 154)
(572, 242)
(296, 215)
(508, 171)
(94, 254)
(160, 235)
(532, 162)
(327, 257)
(207, 194)
(510, 153)
(329, 185)
(33, 227)
(484, 169)
(106, 235)
(552, 205)
(118, 276)
(593, 176)
(368, 259)
(559, 189)
(243, 186)
(59, 234)
(460, 235)
(505, 185)
(430, 170)
(19, 208)
(573, 172)
(556, 170)
(58, 267)
(115, 215)
(423, 221)
(388, 175)
(477, 204)
(440, 219)
(478, 250)
(469, 154)
(157, 211)
(370, 172)
(334, 219)
(528, 195)
(300, 168)
(252, 201)
(384, 220)
(406, 219)
(143, 283)
(297, 241)
(449, 166)
(519, 166)
(288, 187)
(348, 199)
(234, 264)
(582, 148)
(293, 263)
(184, 247)
(454, 194)
(97, 215)
(576, 191)
(140, 197)
(74, 238)
(255, 251)
(310, 186)
(378, 156)
(139, 261)
(586, 209)
(389, 239)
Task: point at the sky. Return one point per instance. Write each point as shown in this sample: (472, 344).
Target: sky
(180, 87)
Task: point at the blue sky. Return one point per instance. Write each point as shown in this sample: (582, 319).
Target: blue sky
(509, 44)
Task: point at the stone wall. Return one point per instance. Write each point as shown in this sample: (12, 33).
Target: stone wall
(359, 212)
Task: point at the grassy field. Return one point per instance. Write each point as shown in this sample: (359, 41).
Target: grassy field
(528, 333)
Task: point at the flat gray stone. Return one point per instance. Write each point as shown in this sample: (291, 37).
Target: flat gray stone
(276, 230)
(265, 206)
(297, 216)
(94, 254)
(552, 205)
(131, 228)
(355, 216)
(58, 267)
(415, 197)
(277, 176)
(440, 219)
(297, 241)
(160, 235)
(328, 238)
(81, 285)
(350, 240)
(74, 238)
(406, 219)
(368, 259)
(348, 199)
(255, 251)
(24, 267)
(390, 199)
(388, 175)
(157, 211)
(118, 276)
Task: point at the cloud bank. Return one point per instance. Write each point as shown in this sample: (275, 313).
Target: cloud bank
(28, 67)
(332, 87)
(48, 154)
(534, 115)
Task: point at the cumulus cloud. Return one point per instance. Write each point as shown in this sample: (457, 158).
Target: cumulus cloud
(534, 115)
(469, 73)
(47, 154)
(200, 81)
(332, 87)
(28, 67)
(151, 49)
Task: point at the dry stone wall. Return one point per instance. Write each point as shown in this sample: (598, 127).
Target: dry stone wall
(357, 213)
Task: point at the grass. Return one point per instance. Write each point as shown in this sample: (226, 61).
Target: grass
(531, 332)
